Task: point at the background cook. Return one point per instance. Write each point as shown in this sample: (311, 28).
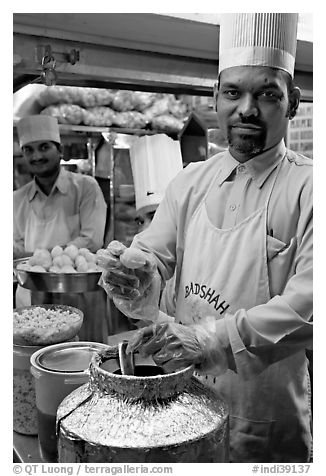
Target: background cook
(155, 161)
(57, 207)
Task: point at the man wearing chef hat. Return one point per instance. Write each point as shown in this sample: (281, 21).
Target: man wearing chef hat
(237, 231)
(57, 207)
(155, 161)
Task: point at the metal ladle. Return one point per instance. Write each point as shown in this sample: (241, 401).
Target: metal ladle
(126, 361)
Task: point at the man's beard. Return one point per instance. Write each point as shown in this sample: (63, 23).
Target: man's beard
(46, 172)
(247, 144)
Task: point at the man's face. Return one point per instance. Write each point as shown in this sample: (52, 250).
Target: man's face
(144, 220)
(252, 107)
(42, 157)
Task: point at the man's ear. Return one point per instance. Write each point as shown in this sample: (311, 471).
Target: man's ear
(294, 101)
(215, 94)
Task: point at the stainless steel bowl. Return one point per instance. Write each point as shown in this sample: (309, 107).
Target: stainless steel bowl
(55, 282)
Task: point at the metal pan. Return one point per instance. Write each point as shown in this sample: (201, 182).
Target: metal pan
(55, 282)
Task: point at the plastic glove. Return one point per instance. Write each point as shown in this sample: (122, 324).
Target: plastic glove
(175, 346)
(125, 277)
(131, 280)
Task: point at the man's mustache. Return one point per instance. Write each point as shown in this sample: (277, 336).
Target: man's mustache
(36, 161)
(248, 122)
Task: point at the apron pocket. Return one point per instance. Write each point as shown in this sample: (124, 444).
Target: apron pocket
(250, 440)
(274, 246)
(280, 263)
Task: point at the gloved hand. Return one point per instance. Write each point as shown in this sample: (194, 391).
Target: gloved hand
(175, 346)
(131, 279)
(127, 272)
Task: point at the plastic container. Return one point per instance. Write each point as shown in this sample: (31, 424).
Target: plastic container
(24, 397)
(58, 370)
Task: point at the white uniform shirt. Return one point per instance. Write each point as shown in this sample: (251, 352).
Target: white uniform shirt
(83, 205)
(238, 191)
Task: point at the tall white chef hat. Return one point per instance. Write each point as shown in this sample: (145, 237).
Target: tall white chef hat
(258, 39)
(38, 127)
(155, 161)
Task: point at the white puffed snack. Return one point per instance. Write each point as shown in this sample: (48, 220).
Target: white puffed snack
(56, 251)
(133, 258)
(71, 251)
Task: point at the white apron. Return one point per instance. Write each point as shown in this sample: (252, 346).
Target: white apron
(225, 270)
(60, 230)
(47, 233)
(42, 234)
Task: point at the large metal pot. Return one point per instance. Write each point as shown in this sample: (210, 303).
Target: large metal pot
(133, 418)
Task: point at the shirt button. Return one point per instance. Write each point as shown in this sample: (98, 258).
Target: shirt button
(241, 168)
(233, 207)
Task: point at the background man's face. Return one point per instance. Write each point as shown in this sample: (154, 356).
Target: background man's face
(42, 157)
(144, 220)
(252, 105)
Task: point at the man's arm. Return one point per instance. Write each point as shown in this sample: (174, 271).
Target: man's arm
(18, 235)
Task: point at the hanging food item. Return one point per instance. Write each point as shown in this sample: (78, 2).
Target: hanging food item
(99, 116)
(85, 97)
(122, 101)
(130, 119)
(92, 97)
(142, 100)
(65, 113)
(121, 108)
(167, 123)
(159, 107)
(59, 94)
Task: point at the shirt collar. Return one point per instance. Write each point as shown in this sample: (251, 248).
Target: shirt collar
(61, 184)
(259, 167)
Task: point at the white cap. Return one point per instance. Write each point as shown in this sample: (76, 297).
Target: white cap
(38, 127)
(155, 161)
(258, 39)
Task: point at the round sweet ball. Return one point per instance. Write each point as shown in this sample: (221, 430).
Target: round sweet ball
(80, 260)
(38, 268)
(56, 251)
(83, 251)
(67, 260)
(133, 258)
(92, 267)
(41, 258)
(67, 269)
(82, 266)
(57, 262)
(24, 267)
(54, 269)
(71, 251)
(90, 257)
